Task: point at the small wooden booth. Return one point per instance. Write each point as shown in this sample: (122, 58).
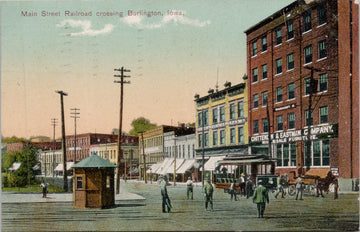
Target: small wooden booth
(93, 183)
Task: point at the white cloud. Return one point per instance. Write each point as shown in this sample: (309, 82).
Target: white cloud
(86, 27)
(137, 21)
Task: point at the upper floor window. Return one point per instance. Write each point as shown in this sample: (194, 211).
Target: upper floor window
(200, 116)
(222, 114)
(264, 71)
(254, 49)
(290, 29)
(255, 75)
(322, 49)
(279, 94)
(206, 117)
(241, 136)
(278, 66)
(222, 137)
(240, 109)
(291, 120)
(263, 44)
(215, 138)
(321, 10)
(308, 117)
(264, 97)
(278, 36)
(201, 140)
(307, 86)
(291, 91)
(323, 82)
(308, 54)
(324, 117)
(215, 115)
(256, 127)
(256, 101)
(279, 122)
(265, 125)
(290, 61)
(206, 140)
(232, 111)
(232, 135)
(307, 21)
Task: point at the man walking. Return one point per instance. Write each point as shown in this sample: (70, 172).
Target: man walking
(44, 186)
(299, 188)
(282, 181)
(260, 197)
(165, 197)
(189, 188)
(208, 193)
(233, 191)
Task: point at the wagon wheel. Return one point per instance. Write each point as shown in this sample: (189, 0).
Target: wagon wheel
(312, 189)
(292, 190)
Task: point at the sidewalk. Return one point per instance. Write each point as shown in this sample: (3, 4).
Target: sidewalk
(17, 197)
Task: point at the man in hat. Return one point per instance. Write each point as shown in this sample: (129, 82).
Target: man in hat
(44, 186)
(165, 197)
(208, 193)
(189, 188)
(299, 188)
(260, 197)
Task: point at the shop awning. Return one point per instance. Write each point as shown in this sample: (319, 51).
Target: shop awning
(245, 161)
(15, 166)
(164, 166)
(170, 168)
(60, 166)
(153, 168)
(187, 165)
(210, 165)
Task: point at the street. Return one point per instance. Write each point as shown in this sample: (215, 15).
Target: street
(320, 214)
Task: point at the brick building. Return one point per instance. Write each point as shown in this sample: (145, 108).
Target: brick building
(303, 70)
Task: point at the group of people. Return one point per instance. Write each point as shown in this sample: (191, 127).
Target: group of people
(283, 184)
(246, 187)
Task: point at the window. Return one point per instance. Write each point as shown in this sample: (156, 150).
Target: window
(232, 111)
(324, 117)
(264, 99)
(254, 49)
(278, 66)
(222, 114)
(240, 109)
(286, 155)
(222, 137)
(255, 75)
(79, 182)
(320, 153)
(308, 117)
(264, 71)
(322, 49)
(265, 125)
(307, 86)
(290, 30)
(279, 94)
(256, 101)
(308, 54)
(107, 181)
(206, 119)
(278, 36)
(200, 115)
(263, 44)
(256, 127)
(200, 140)
(291, 120)
(279, 155)
(215, 115)
(323, 82)
(232, 135)
(206, 140)
(215, 138)
(290, 61)
(321, 10)
(293, 154)
(291, 91)
(307, 21)
(241, 136)
(279, 122)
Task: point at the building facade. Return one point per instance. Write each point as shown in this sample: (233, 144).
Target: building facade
(49, 161)
(221, 123)
(296, 91)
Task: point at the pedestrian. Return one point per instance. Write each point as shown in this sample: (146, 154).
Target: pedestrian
(189, 188)
(232, 191)
(249, 187)
(208, 194)
(44, 186)
(282, 181)
(260, 197)
(242, 184)
(165, 197)
(299, 188)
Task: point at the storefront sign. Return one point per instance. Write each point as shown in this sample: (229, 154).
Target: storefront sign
(222, 124)
(285, 107)
(316, 132)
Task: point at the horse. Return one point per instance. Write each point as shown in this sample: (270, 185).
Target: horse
(323, 184)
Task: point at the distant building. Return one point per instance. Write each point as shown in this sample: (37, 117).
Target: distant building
(40, 139)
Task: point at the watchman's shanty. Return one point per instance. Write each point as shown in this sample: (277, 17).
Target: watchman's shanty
(93, 183)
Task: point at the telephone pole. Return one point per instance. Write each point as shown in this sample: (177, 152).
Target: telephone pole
(121, 82)
(62, 94)
(53, 123)
(75, 114)
(143, 151)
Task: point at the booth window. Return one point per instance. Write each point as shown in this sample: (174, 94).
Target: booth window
(79, 182)
(108, 182)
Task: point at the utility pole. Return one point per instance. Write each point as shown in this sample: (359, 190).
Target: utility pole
(131, 157)
(53, 123)
(313, 89)
(203, 151)
(122, 82)
(62, 94)
(143, 151)
(175, 154)
(75, 114)
(269, 135)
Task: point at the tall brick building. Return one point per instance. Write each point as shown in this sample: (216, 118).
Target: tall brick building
(303, 70)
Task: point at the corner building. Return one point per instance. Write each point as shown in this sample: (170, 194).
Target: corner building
(303, 73)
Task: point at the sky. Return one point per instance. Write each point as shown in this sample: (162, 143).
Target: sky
(174, 49)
